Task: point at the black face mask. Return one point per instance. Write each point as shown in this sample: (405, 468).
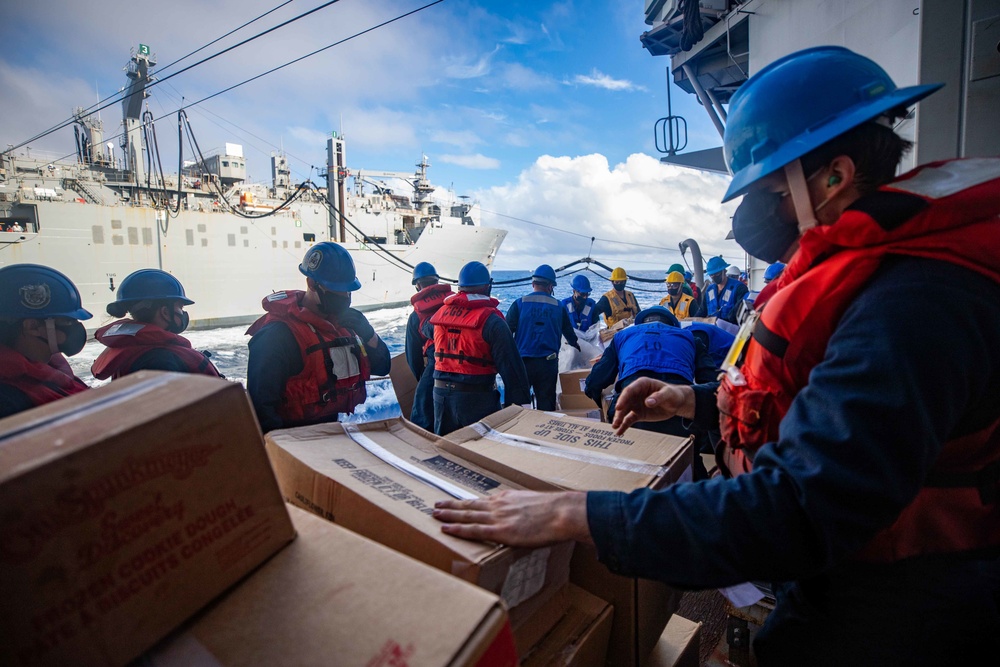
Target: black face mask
(580, 298)
(619, 286)
(332, 304)
(178, 322)
(719, 278)
(761, 230)
(673, 290)
(76, 338)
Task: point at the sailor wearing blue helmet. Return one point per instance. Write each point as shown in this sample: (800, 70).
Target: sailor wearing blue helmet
(580, 306)
(725, 292)
(472, 343)
(864, 436)
(311, 354)
(429, 298)
(40, 313)
(539, 323)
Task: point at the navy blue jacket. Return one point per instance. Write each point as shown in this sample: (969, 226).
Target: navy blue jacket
(718, 341)
(538, 322)
(578, 319)
(855, 448)
(724, 308)
(415, 357)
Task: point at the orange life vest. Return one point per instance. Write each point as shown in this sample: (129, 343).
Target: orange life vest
(620, 308)
(425, 303)
(459, 346)
(127, 341)
(335, 363)
(939, 211)
(42, 383)
(683, 308)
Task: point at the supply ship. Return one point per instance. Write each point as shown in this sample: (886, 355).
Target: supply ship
(107, 213)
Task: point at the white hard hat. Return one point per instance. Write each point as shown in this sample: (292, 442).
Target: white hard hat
(733, 270)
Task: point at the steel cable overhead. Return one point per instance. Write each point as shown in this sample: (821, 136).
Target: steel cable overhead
(117, 99)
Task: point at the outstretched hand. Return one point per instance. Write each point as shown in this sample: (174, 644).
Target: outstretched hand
(518, 518)
(649, 400)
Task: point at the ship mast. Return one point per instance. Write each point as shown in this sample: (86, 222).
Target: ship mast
(137, 71)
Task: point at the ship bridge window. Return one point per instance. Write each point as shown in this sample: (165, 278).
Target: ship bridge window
(189, 236)
(133, 236)
(225, 163)
(246, 243)
(204, 243)
(117, 239)
(201, 228)
(309, 238)
(116, 224)
(97, 232)
(147, 236)
(232, 239)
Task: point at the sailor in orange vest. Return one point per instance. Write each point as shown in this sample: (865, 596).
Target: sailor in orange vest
(40, 313)
(869, 433)
(617, 303)
(472, 343)
(311, 354)
(681, 305)
(420, 340)
(151, 339)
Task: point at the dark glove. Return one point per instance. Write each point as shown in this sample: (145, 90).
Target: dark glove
(358, 323)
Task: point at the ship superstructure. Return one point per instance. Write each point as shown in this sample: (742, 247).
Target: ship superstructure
(106, 213)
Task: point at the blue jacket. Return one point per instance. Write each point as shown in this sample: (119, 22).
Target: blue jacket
(718, 341)
(583, 318)
(854, 449)
(724, 306)
(538, 322)
(655, 347)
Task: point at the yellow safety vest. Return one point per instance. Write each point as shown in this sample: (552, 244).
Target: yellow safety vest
(683, 309)
(621, 309)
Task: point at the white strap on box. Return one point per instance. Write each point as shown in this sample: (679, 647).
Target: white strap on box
(529, 444)
(402, 465)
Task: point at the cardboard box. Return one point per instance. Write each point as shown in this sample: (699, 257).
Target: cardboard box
(569, 453)
(124, 510)
(582, 455)
(593, 414)
(335, 598)
(327, 469)
(403, 383)
(609, 333)
(679, 645)
(576, 402)
(573, 382)
(580, 638)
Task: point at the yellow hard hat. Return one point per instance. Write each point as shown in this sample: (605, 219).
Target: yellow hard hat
(618, 274)
(675, 277)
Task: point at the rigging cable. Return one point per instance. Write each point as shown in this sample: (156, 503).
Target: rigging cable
(181, 71)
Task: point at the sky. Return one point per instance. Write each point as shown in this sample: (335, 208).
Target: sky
(543, 112)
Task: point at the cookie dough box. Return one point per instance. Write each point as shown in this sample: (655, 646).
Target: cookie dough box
(126, 509)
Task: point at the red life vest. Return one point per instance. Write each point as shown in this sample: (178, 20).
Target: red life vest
(947, 211)
(459, 346)
(335, 363)
(425, 303)
(127, 340)
(42, 383)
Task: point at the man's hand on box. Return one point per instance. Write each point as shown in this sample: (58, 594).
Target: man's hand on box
(518, 518)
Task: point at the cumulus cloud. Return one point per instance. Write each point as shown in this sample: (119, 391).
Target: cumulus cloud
(601, 80)
(477, 161)
(638, 211)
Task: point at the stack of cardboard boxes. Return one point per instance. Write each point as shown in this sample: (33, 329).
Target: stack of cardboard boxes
(147, 518)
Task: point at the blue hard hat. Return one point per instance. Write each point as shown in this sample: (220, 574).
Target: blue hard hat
(688, 275)
(580, 283)
(774, 271)
(150, 284)
(661, 314)
(423, 270)
(35, 291)
(798, 103)
(331, 266)
(545, 272)
(474, 274)
(715, 265)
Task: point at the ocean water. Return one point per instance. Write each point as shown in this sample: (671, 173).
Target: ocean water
(229, 345)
